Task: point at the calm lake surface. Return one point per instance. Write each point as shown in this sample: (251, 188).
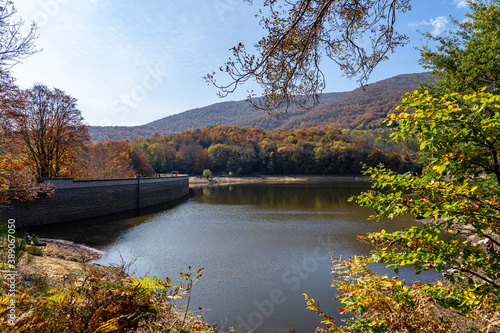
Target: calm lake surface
(262, 247)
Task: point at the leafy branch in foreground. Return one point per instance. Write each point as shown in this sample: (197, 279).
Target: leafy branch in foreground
(457, 125)
(298, 34)
(383, 304)
(458, 190)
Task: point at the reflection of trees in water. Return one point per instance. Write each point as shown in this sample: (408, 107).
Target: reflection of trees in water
(211, 192)
(285, 196)
(102, 230)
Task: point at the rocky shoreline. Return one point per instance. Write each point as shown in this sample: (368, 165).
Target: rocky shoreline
(62, 261)
(195, 181)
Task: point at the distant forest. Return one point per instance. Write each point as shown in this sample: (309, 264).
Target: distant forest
(232, 150)
(339, 136)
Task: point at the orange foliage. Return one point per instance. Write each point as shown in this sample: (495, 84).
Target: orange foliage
(113, 160)
(17, 180)
(52, 131)
(241, 150)
(107, 160)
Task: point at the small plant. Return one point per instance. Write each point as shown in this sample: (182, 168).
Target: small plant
(190, 280)
(7, 238)
(207, 173)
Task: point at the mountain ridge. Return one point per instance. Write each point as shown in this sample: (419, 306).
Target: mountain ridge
(364, 107)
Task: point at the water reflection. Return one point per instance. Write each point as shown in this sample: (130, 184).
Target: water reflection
(311, 197)
(99, 232)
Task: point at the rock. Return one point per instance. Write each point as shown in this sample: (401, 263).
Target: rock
(34, 250)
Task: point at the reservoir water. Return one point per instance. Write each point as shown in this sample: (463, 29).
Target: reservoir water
(262, 247)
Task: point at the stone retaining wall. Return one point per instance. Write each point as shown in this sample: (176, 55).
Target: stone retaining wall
(82, 199)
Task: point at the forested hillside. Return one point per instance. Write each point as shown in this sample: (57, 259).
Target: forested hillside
(241, 151)
(358, 109)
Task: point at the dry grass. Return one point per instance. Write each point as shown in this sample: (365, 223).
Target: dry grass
(63, 291)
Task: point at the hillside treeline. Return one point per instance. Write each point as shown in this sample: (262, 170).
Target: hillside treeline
(241, 151)
(362, 108)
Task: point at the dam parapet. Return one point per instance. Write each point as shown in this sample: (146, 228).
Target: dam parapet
(82, 199)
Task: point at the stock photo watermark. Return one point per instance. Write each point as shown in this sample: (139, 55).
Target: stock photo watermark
(154, 76)
(292, 278)
(48, 10)
(10, 275)
(224, 7)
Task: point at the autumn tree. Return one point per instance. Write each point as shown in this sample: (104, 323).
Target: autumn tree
(458, 127)
(140, 163)
(200, 161)
(52, 130)
(299, 33)
(105, 160)
(457, 191)
(187, 155)
(17, 180)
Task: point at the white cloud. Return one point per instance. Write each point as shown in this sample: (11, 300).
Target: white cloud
(438, 24)
(460, 3)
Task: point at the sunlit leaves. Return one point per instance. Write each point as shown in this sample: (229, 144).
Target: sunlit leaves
(17, 179)
(53, 131)
(457, 129)
(457, 190)
(150, 283)
(380, 303)
(457, 125)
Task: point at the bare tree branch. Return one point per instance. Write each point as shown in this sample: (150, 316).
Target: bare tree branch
(14, 46)
(356, 34)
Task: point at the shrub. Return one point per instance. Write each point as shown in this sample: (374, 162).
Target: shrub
(207, 173)
(128, 305)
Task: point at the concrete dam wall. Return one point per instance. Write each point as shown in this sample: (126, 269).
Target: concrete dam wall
(82, 199)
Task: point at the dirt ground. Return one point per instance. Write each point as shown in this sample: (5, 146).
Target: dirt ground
(62, 261)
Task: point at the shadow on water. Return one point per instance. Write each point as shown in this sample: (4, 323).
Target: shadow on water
(101, 231)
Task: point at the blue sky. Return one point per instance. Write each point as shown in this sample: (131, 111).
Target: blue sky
(130, 62)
